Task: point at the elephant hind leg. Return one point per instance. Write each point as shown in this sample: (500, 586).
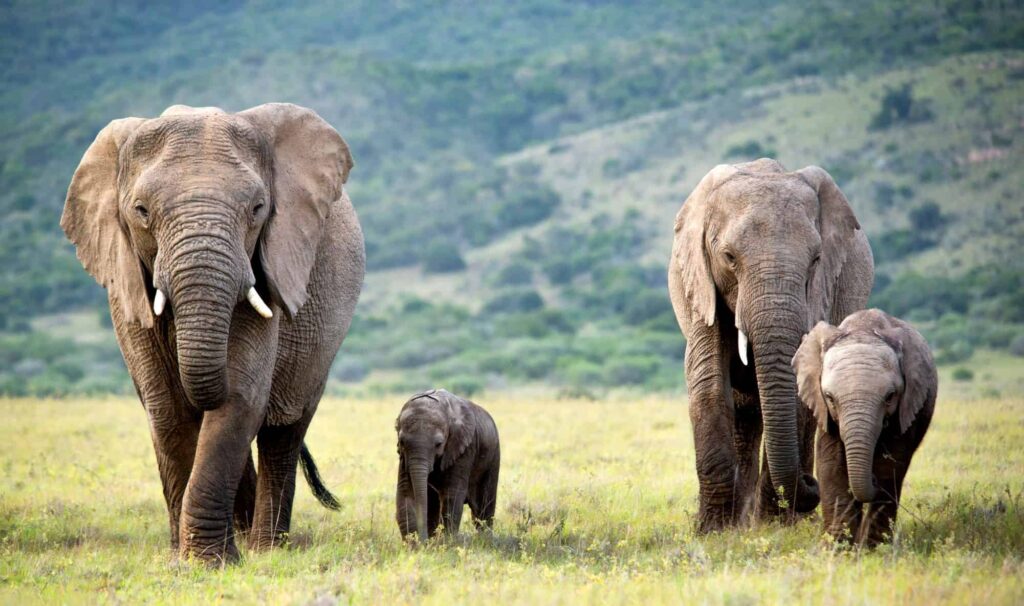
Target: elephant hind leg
(245, 498)
(485, 499)
(275, 483)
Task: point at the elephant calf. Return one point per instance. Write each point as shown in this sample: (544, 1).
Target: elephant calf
(871, 384)
(448, 456)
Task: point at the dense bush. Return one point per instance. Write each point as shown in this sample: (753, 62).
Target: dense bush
(900, 107)
(442, 256)
(516, 273)
(514, 300)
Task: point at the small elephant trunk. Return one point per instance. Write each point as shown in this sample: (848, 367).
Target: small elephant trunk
(859, 431)
(419, 469)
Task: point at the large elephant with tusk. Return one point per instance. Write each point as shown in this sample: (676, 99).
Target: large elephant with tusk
(233, 260)
(760, 256)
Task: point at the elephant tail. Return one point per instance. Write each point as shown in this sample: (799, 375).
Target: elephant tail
(316, 483)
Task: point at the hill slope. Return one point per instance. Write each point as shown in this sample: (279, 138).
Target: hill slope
(518, 168)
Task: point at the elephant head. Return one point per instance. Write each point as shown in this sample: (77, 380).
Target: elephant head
(197, 211)
(760, 251)
(858, 378)
(433, 431)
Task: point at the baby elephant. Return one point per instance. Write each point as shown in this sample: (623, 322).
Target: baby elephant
(871, 384)
(448, 455)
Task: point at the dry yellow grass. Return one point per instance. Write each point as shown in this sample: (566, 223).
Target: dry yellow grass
(596, 504)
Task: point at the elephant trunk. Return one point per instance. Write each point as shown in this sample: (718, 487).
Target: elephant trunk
(859, 428)
(419, 469)
(776, 323)
(205, 286)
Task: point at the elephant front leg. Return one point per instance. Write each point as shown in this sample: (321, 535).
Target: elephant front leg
(174, 436)
(890, 469)
(717, 465)
(840, 511)
(222, 454)
(452, 504)
(279, 455)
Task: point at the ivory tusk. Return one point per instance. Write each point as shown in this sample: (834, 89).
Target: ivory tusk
(159, 301)
(743, 346)
(257, 303)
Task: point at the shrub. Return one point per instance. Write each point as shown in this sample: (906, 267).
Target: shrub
(511, 301)
(647, 305)
(350, 370)
(957, 352)
(899, 106)
(634, 370)
(526, 204)
(927, 217)
(1017, 345)
(441, 257)
(963, 374)
(748, 150)
(465, 385)
(516, 273)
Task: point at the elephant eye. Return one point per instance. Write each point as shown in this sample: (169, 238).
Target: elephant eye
(830, 399)
(141, 210)
(256, 209)
(815, 260)
(729, 258)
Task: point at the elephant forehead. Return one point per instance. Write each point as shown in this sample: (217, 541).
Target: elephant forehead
(868, 362)
(418, 414)
(194, 135)
(753, 204)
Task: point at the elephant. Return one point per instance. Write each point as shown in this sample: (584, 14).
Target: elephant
(871, 385)
(232, 259)
(448, 456)
(759, 256)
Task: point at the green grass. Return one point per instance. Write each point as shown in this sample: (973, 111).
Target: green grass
(596, 504)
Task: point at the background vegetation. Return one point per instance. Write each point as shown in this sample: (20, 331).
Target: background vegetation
(518, 167)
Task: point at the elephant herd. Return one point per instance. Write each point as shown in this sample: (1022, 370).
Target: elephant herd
(233, 260)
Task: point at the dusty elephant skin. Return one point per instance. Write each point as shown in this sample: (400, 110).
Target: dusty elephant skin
(448, 456)
(760, 255)
(871, 384)
(232, 259)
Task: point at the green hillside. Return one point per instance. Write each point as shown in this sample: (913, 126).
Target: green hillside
(518, 167)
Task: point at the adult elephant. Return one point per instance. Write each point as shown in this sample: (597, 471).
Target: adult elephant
(232, 259)
(760, 256)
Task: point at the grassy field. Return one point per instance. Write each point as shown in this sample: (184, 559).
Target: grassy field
(596, 504)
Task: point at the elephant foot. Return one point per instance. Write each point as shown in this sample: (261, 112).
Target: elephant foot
(715, 519)
(213, 556)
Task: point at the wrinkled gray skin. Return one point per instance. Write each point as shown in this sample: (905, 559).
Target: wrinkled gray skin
(871, 384)
(448, 456)
(203, 205)
(769, 253)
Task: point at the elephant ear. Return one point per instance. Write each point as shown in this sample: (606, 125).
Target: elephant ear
(807, 363)
(838, 227)
(310, 164)
(460, 428)
(920, 381)
(688, 249)
(91, 220)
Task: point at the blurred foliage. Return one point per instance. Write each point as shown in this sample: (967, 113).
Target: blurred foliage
(430, 121)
